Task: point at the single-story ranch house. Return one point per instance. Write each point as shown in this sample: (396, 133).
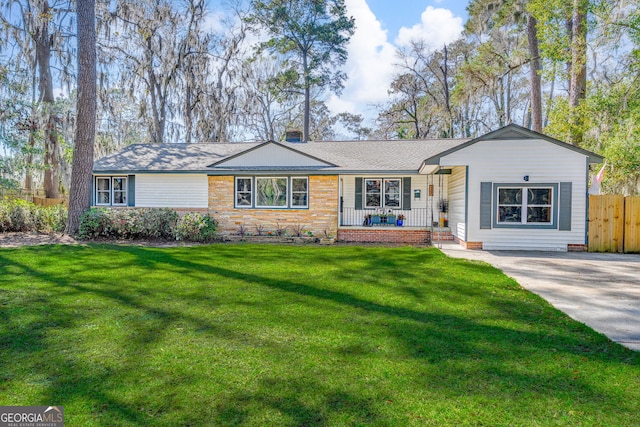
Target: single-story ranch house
(509, 189)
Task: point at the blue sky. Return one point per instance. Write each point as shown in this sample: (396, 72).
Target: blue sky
(382, 27)
(405, 13)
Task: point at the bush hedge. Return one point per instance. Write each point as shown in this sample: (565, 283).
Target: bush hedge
(196, 228)
(146, 223)
(20, 215)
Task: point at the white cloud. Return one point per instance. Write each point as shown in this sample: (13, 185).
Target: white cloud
(437, 27)
(372, 57)
(370, 64)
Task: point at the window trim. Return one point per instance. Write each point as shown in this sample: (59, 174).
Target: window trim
(254, 198)
(124, 190)
(553, 225)
(111, 190)
(97, 191)
(291, 192)
(384, 192)
(365, 193)
(383, 204)
(235, 193)
(255, 192)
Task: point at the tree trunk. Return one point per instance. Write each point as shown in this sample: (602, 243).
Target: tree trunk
(307, 98)
(51, 146)
(578, 76)
(80, 193)
(534, 74)
(28, 179)
(188, 114)
(446, 91)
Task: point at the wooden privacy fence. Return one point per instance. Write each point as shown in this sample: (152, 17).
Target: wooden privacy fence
(614, 223)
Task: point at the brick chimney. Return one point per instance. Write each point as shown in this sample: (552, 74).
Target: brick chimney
(293, 136)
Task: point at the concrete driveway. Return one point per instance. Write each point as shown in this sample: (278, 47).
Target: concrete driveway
(599, 290)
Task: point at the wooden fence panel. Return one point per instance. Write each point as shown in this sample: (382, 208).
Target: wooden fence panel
(606, 223)
(43, 201)
(632, 224)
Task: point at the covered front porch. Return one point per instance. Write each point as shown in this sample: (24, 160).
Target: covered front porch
(375, 227)
(410, 209)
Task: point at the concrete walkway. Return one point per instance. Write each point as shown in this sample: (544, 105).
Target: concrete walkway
(599, 290)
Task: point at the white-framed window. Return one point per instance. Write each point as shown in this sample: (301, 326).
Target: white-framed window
(525, 205)
(103, 191)
(111, 191)
(119, 191)
(272, 192)
(392, 193)
(244, 192)
(372, 193)
(300, 192)
(382, 193)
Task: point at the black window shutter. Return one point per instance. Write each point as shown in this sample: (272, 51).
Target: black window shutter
(406, 193)
(358, 197)
(564, 220)
(131, 197)
(485, 205)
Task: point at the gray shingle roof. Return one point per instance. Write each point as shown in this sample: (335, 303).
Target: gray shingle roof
(378, 155)
(168, 157)
(354, 156)
(399, 155)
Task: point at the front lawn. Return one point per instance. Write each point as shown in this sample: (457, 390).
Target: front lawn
(296, 335)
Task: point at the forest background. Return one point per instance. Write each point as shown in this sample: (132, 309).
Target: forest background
(186, 71)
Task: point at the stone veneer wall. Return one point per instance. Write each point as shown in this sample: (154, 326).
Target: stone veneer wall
(321, 215)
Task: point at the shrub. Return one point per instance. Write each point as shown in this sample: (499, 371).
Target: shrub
(50, 219)
(158, 223)
(95, 223)
(128, 223)
(196, 227)
(20, 215)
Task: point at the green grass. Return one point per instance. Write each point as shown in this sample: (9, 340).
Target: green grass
(297, 335)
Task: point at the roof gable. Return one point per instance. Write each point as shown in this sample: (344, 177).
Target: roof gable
(271, 155)
(513, 131)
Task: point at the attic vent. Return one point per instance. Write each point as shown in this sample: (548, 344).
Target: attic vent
(293, 136)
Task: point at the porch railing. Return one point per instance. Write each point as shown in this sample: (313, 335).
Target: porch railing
(418, 217)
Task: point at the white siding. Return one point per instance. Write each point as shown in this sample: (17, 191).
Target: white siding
(457, 181)
(272, 155)
(172, 190)
(509, 161)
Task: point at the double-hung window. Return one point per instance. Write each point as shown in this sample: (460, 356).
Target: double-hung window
(382, 193)
(272, 192)
(373, 193)
(103, 191)
(111, 191)
(528, 205)
(119, 191)
(300, 192)
(244, 192)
